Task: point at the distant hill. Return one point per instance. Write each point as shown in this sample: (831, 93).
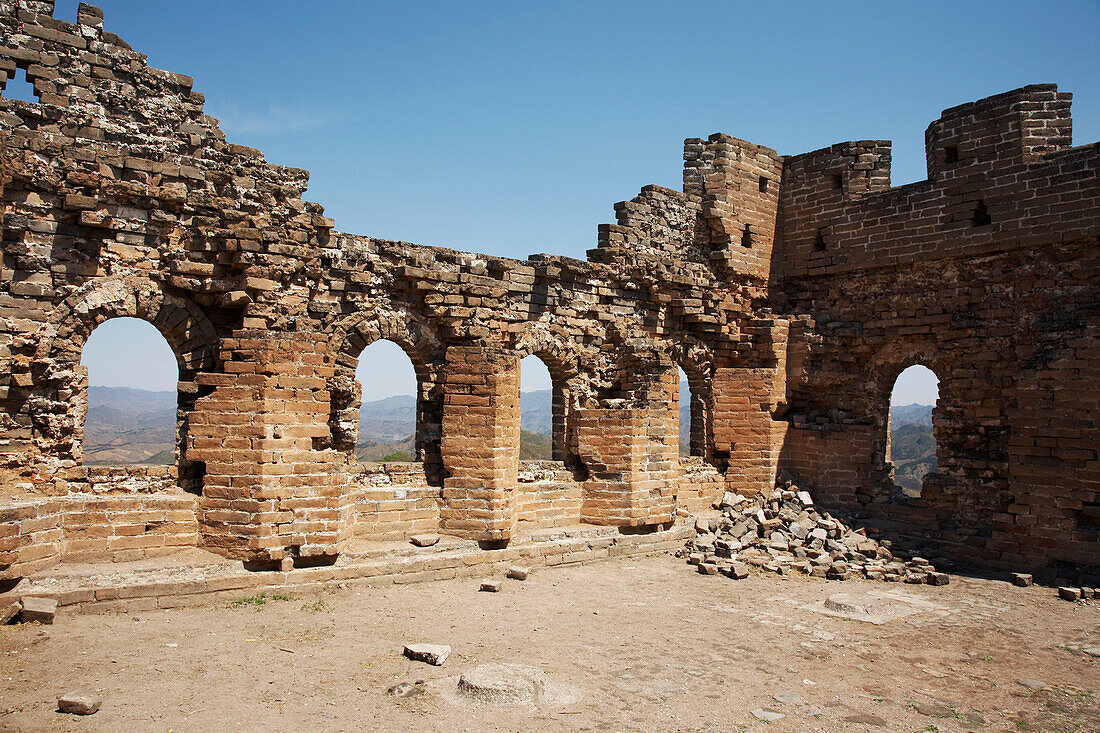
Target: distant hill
(537, 411)
(388, 420)
(126, 426)
(909, 414)
(129, 426)
(912, 446)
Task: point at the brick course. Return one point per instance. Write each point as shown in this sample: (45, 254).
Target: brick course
(791, 289)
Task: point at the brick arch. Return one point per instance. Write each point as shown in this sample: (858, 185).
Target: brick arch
(421, 342)
(562, 359)
(185, 327)
(886, 366)
(189, 334)
(697, 361)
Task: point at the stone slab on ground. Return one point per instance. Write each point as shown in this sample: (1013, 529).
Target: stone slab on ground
(79, 702)
(36, 608)
(1069, 594)
(424, 540)
(518, 573)
(434, 654)
(10, 612)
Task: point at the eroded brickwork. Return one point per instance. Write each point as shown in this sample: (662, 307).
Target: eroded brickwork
(791, 290)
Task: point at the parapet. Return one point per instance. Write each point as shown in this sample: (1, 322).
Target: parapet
(1001, 175)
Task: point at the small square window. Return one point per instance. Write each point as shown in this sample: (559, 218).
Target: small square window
(763, 184)
(951, 155)
(20, 87)
(836, 180)
(819, 241)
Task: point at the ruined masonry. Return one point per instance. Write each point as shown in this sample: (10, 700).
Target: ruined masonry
(792, 290)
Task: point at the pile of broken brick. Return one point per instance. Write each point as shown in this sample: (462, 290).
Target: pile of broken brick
(781, 531)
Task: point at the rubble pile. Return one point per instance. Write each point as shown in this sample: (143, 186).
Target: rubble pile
(782, 531)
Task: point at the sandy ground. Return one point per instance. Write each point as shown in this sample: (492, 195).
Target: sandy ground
(649, 644)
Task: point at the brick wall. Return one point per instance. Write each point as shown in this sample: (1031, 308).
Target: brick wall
(792, 290)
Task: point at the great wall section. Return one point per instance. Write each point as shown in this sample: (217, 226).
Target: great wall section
(792, 290)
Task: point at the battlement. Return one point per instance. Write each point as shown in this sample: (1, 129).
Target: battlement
(999, 171)
(790, 290)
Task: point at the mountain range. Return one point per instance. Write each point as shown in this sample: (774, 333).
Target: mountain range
(912, 446)
(127, 426)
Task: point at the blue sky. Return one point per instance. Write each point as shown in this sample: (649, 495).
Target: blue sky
(512, 128)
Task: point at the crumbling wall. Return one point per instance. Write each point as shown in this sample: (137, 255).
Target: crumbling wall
(986, 273)
(791, 290)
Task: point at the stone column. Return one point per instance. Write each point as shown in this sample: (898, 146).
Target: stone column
(630, 447)
(269, 496)
(480, 446)
(744, 429)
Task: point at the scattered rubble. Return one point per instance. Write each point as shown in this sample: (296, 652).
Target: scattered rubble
(406, 689)
(79, 702)
(10, 612)
(517, 573)
(1071, 593)
(782, 531)
(491, 586)
(424, 540)
(434, 654)
(1022, 580)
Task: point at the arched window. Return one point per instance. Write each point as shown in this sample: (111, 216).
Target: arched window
(684, 411)
(541, 420)
(389, 392)
(692, 413)
(911, 444)
(133, 414)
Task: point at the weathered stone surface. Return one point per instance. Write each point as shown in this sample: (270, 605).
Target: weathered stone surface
(38, 609)
(434, 654)
(517, 572)
(10, 612)
(1069, 594)
(424, 540)
(491, 586)
(79, 702)
(792, 289)
(1022, 580)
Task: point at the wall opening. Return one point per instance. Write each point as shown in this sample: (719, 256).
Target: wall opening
(19, 87)
(542, 412)
(819, 241)
(389, 425)
(981, 215)
(763, 184)
(951, 155)
(691, 416)
(135, 414)
(836, 181)
(910, 438)
(746, 237)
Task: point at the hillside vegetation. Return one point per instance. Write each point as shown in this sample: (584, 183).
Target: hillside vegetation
(912, 446)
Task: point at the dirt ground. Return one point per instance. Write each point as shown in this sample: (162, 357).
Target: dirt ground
(649, 644)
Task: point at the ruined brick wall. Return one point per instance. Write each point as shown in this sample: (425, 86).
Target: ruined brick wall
(790, 290)
(121, 197)
(987, 274)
